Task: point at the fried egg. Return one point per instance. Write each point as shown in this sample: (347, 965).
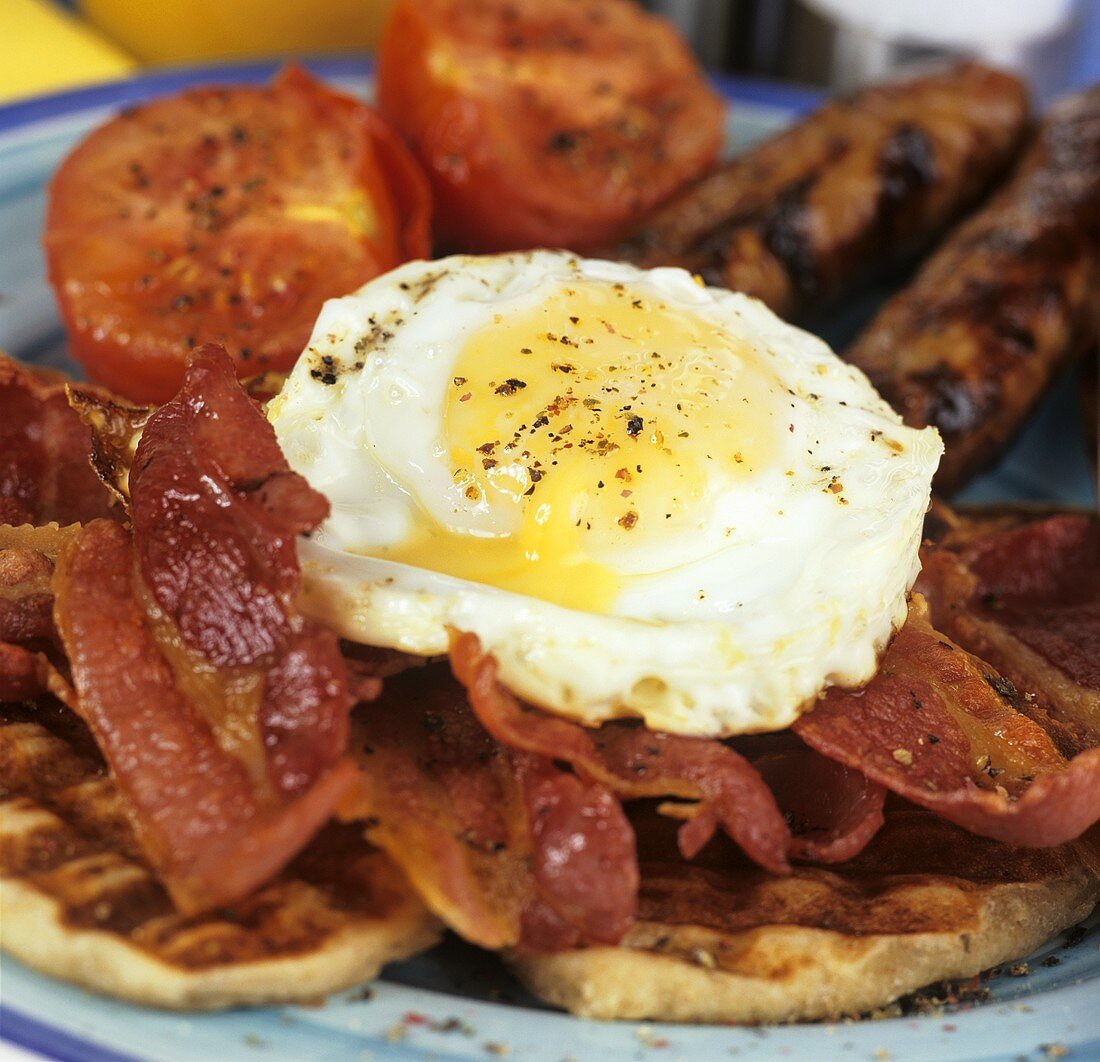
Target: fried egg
(646, 497)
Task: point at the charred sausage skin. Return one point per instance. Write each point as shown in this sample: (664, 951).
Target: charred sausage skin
(862, 183)
(971, 344)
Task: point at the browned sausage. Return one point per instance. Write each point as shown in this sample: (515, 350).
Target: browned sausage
(1011, 295)
(860, 184)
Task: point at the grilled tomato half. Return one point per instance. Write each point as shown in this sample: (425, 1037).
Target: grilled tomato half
(225, 215)
(545, 123)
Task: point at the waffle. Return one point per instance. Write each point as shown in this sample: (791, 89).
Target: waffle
(80, 904)
(720, 941)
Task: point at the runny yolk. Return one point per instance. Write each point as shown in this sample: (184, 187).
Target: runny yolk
(602, 425)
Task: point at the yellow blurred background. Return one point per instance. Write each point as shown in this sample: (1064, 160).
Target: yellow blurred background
(157, 31)
(57, 48)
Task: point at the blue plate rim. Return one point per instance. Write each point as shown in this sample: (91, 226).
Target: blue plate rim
(49, 1040)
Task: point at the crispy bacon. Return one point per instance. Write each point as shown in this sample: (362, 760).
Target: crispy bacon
(1042, 582)
(216, 510)
(582, 844)
(834, 811)
(438, 799)
(223, 714)
(940, 728)
(29, 645)
(1024, 595)
(507, 848)
(635, 762)
(26, 600)
(543, 930)
(204, 823)
(20, 679)
(304, 710)
(837, 810)
(115, 427)
(644, 763)
(45, 473)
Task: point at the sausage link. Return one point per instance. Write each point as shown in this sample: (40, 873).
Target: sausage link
(859, 185)
(971, 344)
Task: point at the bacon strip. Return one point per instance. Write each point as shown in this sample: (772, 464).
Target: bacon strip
(26, 599)
(584, 859)
(834, 811)
(505, 847)
(216, 510)
(1042, 582)
(1027, 600)
(203, 824)
(27, 632)
(115, 427)
(20, 679)
(634, 762)
(938, 727)
(222, 713)
(45, 472)
(304, 710)
(467, 867)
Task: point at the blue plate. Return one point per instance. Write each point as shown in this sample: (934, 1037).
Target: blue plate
(406, 1015)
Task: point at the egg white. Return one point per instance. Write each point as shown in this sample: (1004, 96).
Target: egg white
(784, 582)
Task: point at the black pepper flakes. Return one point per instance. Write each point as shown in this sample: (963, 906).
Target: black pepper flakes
(1003, 686)
(561, 142)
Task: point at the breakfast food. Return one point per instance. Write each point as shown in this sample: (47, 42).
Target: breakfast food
(576, 618)
(81, 903)
(844, 194)
(226, 215)
(545, 123)
(1021, 590)
(44, 472)
(512, 825)
(201, 659)
(617, 480)
(1011, 296)
(716, 941)
(465, 417)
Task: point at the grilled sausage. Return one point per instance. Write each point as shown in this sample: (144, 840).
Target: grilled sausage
(1010, 296)
(862, 183)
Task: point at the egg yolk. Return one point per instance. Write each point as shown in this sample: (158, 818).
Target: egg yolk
(601, 425)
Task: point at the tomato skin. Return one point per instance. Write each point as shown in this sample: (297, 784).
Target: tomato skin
(544, 122)
(225, 215)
